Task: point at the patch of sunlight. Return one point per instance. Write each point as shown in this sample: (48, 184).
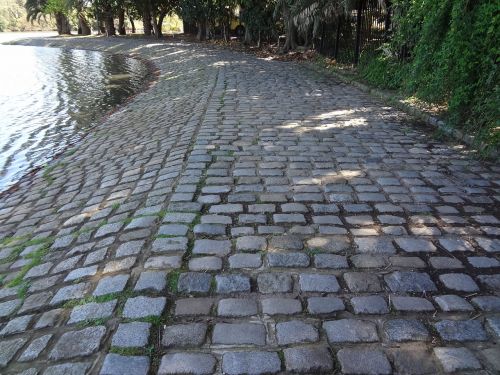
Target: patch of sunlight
(220, 63)
(291, 125)
(351, 173)
(171, 78)
(328, 115)
(151, 45)
(356, 122)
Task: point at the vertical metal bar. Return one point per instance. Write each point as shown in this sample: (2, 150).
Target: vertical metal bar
(357, 49)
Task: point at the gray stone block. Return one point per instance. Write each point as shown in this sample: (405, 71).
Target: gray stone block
(131, 335)
(250, 363)
(405, 330)
(239, 334)
(78, 343)
(115, 364)
(141, 307)
(308, 359)
(363, 361)
(187, 363)
(350, 330)
(184, 335)
(295, 331)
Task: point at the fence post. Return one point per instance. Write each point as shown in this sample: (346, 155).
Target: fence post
(357, 49)
(337, 38)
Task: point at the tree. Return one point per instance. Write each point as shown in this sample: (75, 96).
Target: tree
(257, 15)
(81, 8)
(159, 10)
(36, 9)
(196, 12)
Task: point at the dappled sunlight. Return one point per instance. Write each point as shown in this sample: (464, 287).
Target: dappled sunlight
(333, 114)
(220, 63)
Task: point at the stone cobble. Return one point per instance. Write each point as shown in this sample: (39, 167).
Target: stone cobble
(247, 216)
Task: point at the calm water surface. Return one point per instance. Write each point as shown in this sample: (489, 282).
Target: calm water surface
(49, 97)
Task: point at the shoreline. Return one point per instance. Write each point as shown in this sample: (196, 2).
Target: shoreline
(152, 78)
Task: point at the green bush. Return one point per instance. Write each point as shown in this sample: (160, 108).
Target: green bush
(382, 71)
(451, 57)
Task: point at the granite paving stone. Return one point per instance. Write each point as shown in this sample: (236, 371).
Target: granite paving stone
(324, 305)
(184, 335)
(318, 283)
(308, 359)
(363, 361)
(141, 307)
(267, 220)
(187, 363)
(239, 334)
(251, 362)
(281, 306)
(78, 343)
(369, 305)
(234, 307)
(295, 331)
(407, 281)
(232, 283)
(451, 302)
(151, 280)
(399, 330)
(91, 311)
(35, 348)
(115, 364)
(350, 330)
(111, 284)
(461, 330)
(411, 304)
(414, 360)
(274, 283)
(131, 335)
(456, 359)
(458, 282)
(9, 348)
(194, 282)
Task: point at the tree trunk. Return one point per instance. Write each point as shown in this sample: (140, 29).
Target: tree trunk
(291, 31)
(121, 22)
(62, 23)
(248, 35)
(157, 23)
(132, 24)
(146, 21)
(202, 30)
(109, 24)
(83, 25)
(160, 24)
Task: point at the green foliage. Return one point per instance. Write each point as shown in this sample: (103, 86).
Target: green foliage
(13, 17)
(446, 52)
(56, 6)
(383, 71)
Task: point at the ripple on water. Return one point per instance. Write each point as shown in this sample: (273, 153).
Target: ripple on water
(50, 96)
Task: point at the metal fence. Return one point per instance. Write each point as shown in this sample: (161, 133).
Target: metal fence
(349, 35)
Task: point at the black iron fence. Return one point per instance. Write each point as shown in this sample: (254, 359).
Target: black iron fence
(348, 35)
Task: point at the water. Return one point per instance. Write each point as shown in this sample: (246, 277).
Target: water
(49, 97)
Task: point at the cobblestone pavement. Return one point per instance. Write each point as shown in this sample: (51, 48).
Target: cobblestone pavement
(245, 216)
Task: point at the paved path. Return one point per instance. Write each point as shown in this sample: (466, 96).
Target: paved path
(248, 216)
